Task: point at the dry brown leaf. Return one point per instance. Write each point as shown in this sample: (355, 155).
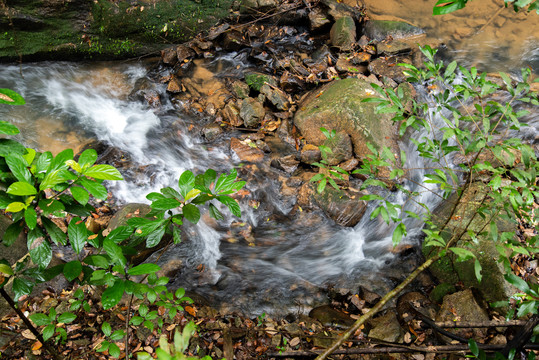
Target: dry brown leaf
(28, 334)
(37, 345)
(294, 342)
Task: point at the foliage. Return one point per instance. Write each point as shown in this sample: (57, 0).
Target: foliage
(39, 188)
(445, 7)
(328, 173)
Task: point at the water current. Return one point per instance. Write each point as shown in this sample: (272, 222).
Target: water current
(71, 104)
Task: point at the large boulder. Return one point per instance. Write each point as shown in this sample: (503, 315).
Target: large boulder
(382, 29)
(493, 286)
(101, 29)
(338, 106)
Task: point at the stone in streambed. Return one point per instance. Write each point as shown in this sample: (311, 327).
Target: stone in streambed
(341, 148)
(343, 33)
(386, 328)
(231, 114)
(276, 96)
(329, 316)
(310, 154)
(246, 150)
(252, 112)
(381, 29)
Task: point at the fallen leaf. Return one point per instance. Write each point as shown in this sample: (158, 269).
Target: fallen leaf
(28, 334)
(37, 345)
(191, 310)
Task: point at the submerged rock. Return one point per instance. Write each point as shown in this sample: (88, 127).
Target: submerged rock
(381, 29)
(246, 150)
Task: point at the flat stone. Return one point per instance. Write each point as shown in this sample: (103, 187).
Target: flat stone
(246, 152)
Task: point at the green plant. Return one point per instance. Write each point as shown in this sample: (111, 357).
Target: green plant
(470, 116)
(327, 173)
(37, 187)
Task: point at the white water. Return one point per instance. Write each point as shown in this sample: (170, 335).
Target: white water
(291, 256)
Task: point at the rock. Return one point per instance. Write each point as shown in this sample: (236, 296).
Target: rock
(240, 89)
(341, 148)
(329, 316)
(343, 33)
(310, 154)
(411, 303)
(349, 164)
(338, 106)
(256, 80)
(174, 86)
(393, 47)
(437, 294)
(246, 150)
(288, 164)
(389, 68)
(234, 41)
(255, 6)
(169, 56)
(386, 328)
(318, 19)
(343, 207)
(276, 96)
(369, 296)
(291, 83)
(183, 53)
(463, 306)
(251, 112)
(382, 29)
(493, 286)
(212, 131)
(231, 113)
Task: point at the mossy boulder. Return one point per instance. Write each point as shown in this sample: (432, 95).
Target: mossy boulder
(338, 106)
(343, 33)
(381, 29)
(101, 29)
(493, 286)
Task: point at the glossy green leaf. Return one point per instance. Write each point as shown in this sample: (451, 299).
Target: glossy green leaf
(54, 232)
(77, 233)
(43, 162)
(114, 251)
(6, 269)
(12, 233)
(74, 165)
(117, 335)
(143, 269)
(113, 294)
(10, 97)
(99, 261)
(231, 203)
(192, 194)
(22, 287)
(72, 270)
(517, 282)
(51, 179)
(66, 318)
(50, 206)
(18, 167)
(106, 328)
(39, 248)
(80, 195)
(398, 234)
(165, 204)
(191, 213)
(97, 190)
(40, 319)
(48, 332)
(186, 182)
(103, 172)
(30, 217)
(15, 207)
(8, 128)
(9, 147)
(59, 161)
(215, 213)
(21, 189)
(154, 238)
(88, 157)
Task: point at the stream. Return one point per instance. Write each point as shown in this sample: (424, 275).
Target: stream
(291, 257)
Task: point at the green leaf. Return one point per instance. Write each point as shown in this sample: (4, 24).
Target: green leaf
(54, 232)
(18, 167)
(517, 282)
(43, 162)
(99, 261)
(106, 328)
(113, 294)
(66, 318)
(143, 269)
(15, 207)
(48, 332)
(77, 233)
(398, 233)
(97, 190)
(8, 128)
(6, 269)
(30, 217)
(120, 233)
(154, 238)
(114, 350)
(50, 206)
(165, 204)
(72, 270)
(186, 182)
(114, 251)
(529, 307)
(215, 213)
(39, 248)
(477, 269)
(80, 195)
(21, 189)
(231, 203)
(40, 319)
(51, 179)
(22, 287)
(88, 157)
(12, 233)
(10, 97)
(103, 172)
(462, 254)
(10, 147)
(473, 347)
(74, 165)
(117, 335)
(191, 213)
(224, 183)
(59, 161)
(192, 194)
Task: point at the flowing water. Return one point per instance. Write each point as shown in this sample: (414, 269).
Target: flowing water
(287, 258)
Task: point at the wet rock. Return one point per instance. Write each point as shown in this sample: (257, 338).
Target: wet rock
(338, 106)
(369, 296)
(318, 19)
(463, 306)
(437, 294)
(393, 47)
(310, 154)
(291, 83)
(234, 41)
(343, 33)
(183, 53)
(382, 29)
(329, 316)
(389, 68)
(240, 89)
(410, 303)
(256, 80)
(212, 131)
(174, 86)
(344, 64)
(276, 96)
(246, 150)
(288, 163)
(231, 114)
(339, 9)
(493, 286)
(386, 328)
(169, 56)
(251, 112)
(215, 32)
(341, 148)
(343, 207)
